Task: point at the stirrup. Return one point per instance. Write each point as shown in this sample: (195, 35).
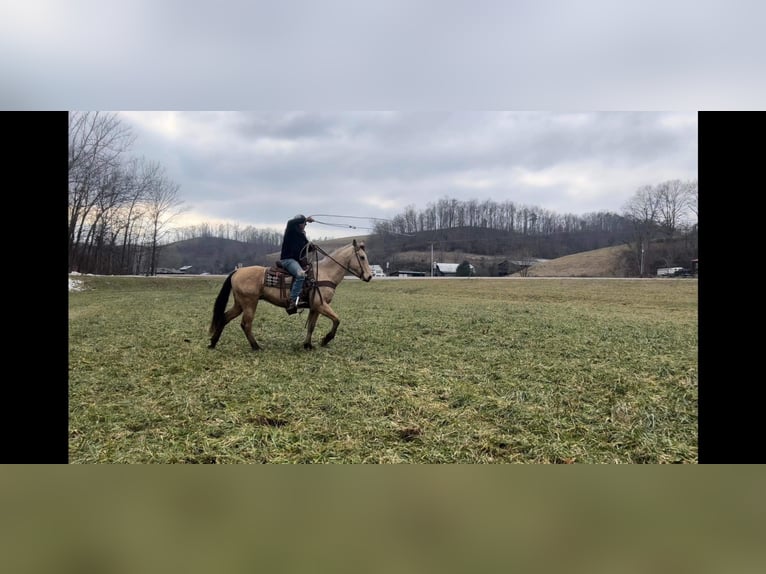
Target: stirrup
(292, 307)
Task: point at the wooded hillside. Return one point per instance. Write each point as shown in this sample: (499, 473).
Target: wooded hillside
(486, 253)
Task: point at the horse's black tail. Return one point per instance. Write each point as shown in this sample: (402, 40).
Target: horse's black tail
(220, 306)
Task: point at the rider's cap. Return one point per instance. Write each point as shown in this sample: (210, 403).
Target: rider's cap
(301, 218)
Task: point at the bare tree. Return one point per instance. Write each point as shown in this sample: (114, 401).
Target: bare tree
(672, 205)
(642, 210)
(526, 261)
(691, 190)
(410, 219)
(140, 177)
(96, 142)
(163, 205)
(663, 211)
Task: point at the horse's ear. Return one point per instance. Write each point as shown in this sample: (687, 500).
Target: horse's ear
(354, 243)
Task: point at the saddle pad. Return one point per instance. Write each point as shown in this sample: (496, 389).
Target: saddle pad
(276, 278)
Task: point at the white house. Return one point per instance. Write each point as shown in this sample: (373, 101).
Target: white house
(377, 271)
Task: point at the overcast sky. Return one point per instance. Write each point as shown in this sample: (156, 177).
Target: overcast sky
(409, 56)
(261, 168)
(382, 54)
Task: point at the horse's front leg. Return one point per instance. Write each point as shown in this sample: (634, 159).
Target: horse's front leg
(311, 323)
(330, 314)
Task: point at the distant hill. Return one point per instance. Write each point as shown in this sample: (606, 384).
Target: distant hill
(211, 255)
(216, 255)
(219, 256)
(605, 262)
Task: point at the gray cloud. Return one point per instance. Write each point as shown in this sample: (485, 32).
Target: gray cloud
(389, 54)
(311, 70)
(259, 169)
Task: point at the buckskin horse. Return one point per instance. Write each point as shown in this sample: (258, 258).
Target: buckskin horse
(251, 284)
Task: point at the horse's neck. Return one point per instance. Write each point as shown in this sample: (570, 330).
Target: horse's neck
(329, 270)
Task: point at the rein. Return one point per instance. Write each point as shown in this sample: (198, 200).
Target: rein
(356, 252)
(325, 283)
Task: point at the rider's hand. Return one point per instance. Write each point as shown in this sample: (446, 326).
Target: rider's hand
(309, 219)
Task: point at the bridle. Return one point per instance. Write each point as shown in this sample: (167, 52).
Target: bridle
(358, 259)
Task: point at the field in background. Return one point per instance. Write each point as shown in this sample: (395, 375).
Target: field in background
(421, 371)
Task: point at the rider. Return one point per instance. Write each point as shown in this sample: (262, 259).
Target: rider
(293, 244)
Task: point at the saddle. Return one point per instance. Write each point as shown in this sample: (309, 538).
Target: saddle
(279, 277)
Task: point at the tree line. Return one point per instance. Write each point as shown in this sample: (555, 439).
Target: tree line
(668, 206)
(659, 215)
(651, 223)
(261, 240)
(120, 207)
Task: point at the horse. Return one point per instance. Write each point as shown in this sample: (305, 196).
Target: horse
(248, 284)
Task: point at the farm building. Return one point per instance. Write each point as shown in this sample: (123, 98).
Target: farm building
(408, 273)
(449, 269)
(172, 271)
(669, 271)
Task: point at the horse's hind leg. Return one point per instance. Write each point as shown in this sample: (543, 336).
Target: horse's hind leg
(311, 323)
(228, 316)
(247, 326)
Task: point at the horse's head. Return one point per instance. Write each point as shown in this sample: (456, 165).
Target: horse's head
(359, 263)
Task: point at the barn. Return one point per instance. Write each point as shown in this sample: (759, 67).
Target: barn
(449, 269)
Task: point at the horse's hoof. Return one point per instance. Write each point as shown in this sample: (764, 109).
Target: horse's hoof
(308, 346)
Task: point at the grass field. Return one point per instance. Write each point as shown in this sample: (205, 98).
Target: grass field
(421, 371)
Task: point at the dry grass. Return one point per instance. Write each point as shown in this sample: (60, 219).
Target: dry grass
(597, 263)
(422, 371)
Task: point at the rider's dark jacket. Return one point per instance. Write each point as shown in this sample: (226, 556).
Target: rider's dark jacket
(294, 240)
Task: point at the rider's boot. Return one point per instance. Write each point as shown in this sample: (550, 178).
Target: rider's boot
(292, 306)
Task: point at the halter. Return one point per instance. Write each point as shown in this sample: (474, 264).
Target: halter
(358, 259)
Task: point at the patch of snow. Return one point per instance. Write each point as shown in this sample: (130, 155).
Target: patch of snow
(75, 285)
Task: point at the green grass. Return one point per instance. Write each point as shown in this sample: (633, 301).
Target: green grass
(421, 371)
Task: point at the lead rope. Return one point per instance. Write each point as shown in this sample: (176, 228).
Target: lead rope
(315, 278)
